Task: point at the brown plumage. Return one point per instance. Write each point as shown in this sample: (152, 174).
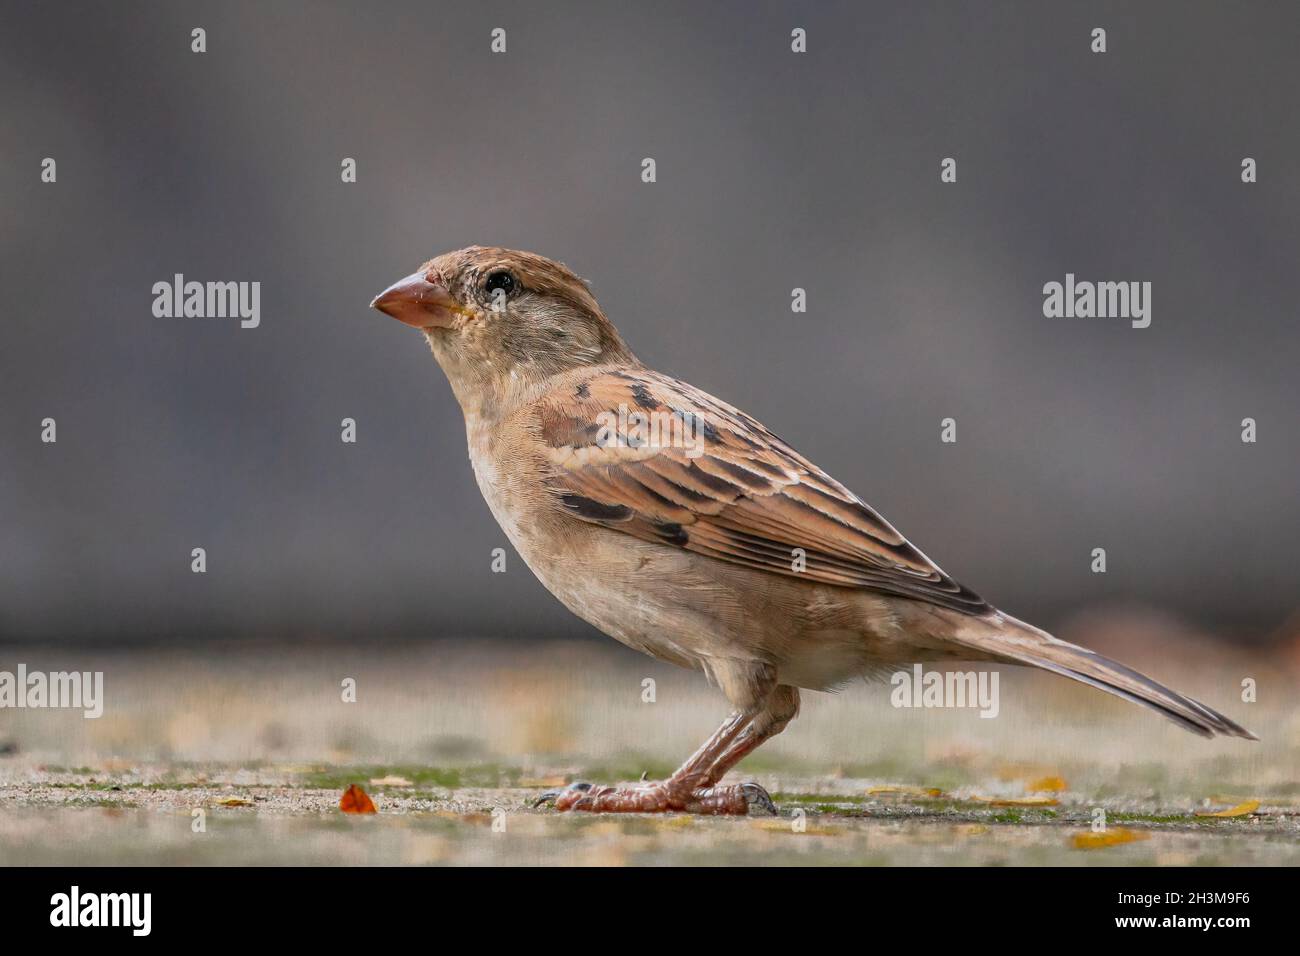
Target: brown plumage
(745, 497)
(682, 527)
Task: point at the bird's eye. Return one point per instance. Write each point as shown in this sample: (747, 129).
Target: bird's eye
(499, 280)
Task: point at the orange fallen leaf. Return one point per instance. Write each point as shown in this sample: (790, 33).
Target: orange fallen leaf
(236, 803)
(1048, 785)
(1240, 810)
(1111, 837)
(355, 800)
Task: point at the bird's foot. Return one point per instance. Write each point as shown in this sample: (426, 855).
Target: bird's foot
(667, 796)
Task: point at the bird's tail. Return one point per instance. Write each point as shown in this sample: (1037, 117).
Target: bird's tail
(1003, 637)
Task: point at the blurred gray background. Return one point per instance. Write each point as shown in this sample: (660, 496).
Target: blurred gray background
(775, 170)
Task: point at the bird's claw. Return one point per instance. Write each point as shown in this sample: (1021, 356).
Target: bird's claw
(550, 796)
(759, 798)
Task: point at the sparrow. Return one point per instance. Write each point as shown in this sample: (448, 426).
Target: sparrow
(684, 528)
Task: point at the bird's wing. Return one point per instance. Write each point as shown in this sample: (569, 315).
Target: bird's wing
(698, 474)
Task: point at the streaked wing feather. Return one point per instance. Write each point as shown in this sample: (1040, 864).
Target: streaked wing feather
(741, 495)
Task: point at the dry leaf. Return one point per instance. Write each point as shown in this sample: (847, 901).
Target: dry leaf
(1047, 785)
(1112, 837)
(1019, 801)
(1240, 810)
(236, 803)
(906, 791)
(355, 800)
(390, 781)
(1281, 802)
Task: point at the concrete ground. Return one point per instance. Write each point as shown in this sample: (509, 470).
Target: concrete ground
(241, 757)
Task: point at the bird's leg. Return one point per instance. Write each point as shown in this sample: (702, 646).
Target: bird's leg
(693, 786)
(677, 793)
(779, 709)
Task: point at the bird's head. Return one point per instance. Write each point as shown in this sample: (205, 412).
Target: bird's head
(496, 317)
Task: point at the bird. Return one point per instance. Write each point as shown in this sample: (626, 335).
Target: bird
(682, 527)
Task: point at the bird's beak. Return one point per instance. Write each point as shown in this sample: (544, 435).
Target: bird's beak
(418, 302)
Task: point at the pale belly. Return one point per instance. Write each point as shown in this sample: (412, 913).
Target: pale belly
(692, 611)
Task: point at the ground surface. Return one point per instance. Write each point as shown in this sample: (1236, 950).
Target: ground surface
(262, 818)
(453, 742)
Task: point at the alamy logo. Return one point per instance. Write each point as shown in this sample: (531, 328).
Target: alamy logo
(209, 300)
(103, 909)
(1102, 300)
(940, 689)
(56, 690)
